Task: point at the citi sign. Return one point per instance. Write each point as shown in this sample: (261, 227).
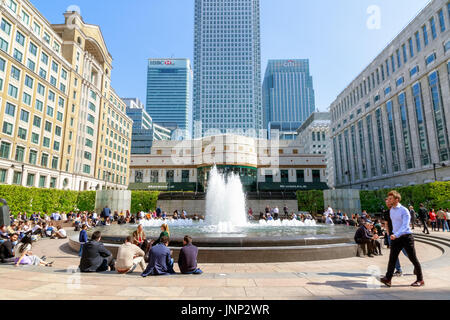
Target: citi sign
(162, 62)
(290, 63)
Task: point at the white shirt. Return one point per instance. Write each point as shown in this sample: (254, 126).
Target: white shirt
(328, 212)
(401, 219)
(62, 232)
(94, 215)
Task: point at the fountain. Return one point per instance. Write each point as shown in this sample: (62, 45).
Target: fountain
(226, 236)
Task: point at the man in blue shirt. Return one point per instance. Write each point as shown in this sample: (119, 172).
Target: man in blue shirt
(401, 238)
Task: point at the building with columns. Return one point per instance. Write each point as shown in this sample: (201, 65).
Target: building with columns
(63, 126)
(390, 126)
(264, 165)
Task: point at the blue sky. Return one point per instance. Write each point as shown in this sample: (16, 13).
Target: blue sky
(333, 34)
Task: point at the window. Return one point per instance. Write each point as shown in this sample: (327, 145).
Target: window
(6, 26)
(37, 29)
(33, 49)
(32, 159)
(2, 64)
(61, 102)
(90, 131)
(405, 56)
(17, 178)
(18, 55)
(53, 183)
(425, 35)
(39, 105)
(24, 116)
(56, 145)
(44, 58)
(64, 74)
(418, 42)
(26, 99)
(7, 128)
(316, 176)
(400, 81)
(4, 150)
(25, 18)
(42, 73)
(414, 71)
(51, 96)
(20, 38)
(421, 124)
(55, 67)
(50, 111)
(87, 169)
(170, 176)
(433, 28)
(447, 46)
(59, 116)
(405, 131)
(37, 121)
(20, 153)
(89, 143)
(10, 109)
(87, 155)
(91, 119)
(46, 142)
(22, 134)
(430, 59)
(4, 45)
(55, 161)
(3, 175)
(41, 89)
(387, 91)
(399, 62)
(35, 138)
(15, 73)
(284, 176)
(442, 20)
(58, 132)
(29, 82)
(30, 179)
(411, 48)
(44, 160)
(48, 126)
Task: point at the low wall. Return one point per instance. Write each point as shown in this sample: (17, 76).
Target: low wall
(198, 206)
(346, 200)
(119, 200)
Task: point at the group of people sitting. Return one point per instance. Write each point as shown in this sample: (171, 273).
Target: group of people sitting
(153, 257)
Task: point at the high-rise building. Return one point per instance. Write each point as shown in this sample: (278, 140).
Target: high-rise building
(144, 130)
(390, 126)
(227, 67)
(288, 96)
(62, 124)
(169, 93)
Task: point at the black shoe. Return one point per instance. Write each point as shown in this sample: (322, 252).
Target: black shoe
(418, 284)
(386, 282)
(370, 256)
(44, 258)
(398, 273)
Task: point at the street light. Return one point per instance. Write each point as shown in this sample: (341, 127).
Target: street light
(443, 165)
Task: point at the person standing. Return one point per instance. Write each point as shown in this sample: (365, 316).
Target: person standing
(447, 214)
(423, 216)
(401, 238)
(413, 216)
(442, 217)
(433, 220)
(187, 260)
(106, 212)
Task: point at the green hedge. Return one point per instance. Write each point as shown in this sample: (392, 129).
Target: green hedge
(29, 200)
(433, 195)
(143, 201)
(311, 201)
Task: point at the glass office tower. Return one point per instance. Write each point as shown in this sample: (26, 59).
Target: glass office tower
(168, 93)
(227, 67)
(288, 95)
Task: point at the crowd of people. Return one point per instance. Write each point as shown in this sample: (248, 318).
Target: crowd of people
(273, 214)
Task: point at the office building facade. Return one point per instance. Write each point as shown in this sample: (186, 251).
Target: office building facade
(390, 126)
(314, 137)
(169, 84)
(144, 130)
(227, 67)
(288, 96)
(54, 82)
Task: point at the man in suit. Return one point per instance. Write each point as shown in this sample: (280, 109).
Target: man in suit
(188, 257)
(364, 238)
(160, 260)
(95, 257)
(423, 216)
(106, 212)
(7, 249)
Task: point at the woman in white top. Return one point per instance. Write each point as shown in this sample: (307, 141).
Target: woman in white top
(24, 256)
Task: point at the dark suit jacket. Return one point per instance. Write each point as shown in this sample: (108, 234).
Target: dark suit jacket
(188, 259)
(6, 250)
(362, 234)
(93, 255)
(159, 261)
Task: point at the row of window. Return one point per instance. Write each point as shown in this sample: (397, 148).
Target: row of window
(394, 62)
(30, 182)
(5, 153)
(398, 144)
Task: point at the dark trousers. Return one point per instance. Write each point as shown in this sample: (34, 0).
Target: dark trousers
(405, 242)
(366, 245)
(425, 227)
(107, 262)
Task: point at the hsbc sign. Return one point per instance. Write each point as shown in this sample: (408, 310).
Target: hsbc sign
(162, 63)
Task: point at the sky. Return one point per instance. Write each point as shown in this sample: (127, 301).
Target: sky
(339, 37)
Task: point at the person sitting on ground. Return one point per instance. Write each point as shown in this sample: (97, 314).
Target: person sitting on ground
(129, 257)
(196, 218)
(187, 260)
(175, 215)
(139, 237)
(160, 260)
(165, 232)
(95, 257)
(3, 234)
(364, 238)
(24, 255)
(83, 238)
(59, 233)
(7, 249)
(376, 244)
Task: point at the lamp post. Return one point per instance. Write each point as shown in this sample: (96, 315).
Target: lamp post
(443, 165)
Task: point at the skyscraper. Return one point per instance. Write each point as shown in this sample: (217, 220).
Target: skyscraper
(288, 95)
(227, 66)
(168, 93)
